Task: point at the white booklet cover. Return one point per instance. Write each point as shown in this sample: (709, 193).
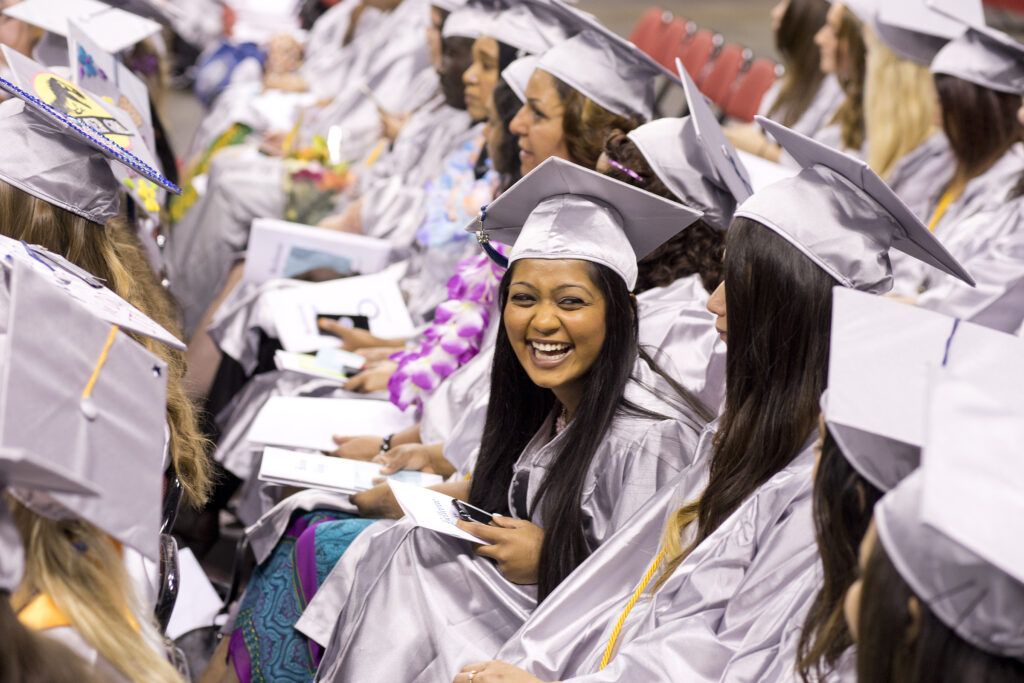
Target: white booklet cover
(313, 470)
(430, 509)
(304, 422)
(279, 249)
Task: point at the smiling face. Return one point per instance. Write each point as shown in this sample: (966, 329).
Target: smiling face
(481, 76)
(555, 321)
(539, 123)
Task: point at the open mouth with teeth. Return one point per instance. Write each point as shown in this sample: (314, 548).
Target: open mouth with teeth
(549, 353)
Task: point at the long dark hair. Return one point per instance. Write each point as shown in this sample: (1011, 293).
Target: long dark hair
(850, 115)
(518, 409)
(802, 58)
(843, 501)
(697, 249)
(980, 123)
(779, 306)
(885, 654)
(506, 161)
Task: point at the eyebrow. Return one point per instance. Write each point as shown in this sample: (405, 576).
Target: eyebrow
(559, 288)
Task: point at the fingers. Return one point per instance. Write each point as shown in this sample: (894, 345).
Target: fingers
(508, 522)
(341, 440)
(483, 532)
(332, 327)
(356, 384)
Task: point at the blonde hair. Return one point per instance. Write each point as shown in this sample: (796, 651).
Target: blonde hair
(900, 105)
(672, 540)
(81, 570)
(114, 254)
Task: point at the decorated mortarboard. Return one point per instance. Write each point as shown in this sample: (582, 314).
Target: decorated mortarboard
(73, 158)
(842, 216)
(561, 210)
(468, 21)
(24, 471)
(114, 29)
(881, 354)
(606, 68)
(517, 74)
(694, 159)
(952, 529)
(916, 32)
(78, 391)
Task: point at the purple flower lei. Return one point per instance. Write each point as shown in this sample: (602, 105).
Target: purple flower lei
(455, 335)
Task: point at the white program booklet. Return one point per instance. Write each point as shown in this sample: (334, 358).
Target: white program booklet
(281, 249)
(430, 509)
(304, 422)
(313, 470)
(375, 297)
(336, 364)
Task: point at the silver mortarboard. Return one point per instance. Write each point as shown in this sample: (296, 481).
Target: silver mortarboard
(448, 5)
(881, 354)
(842, 216)
(467, 21)
(517, 74)
(561, 210)
(114, 29)
(981, 54)
(916, 32)
(22, 470)
(533, 26)
(971, 578)
(77, 391)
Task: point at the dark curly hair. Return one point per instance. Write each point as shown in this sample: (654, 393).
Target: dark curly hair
(697, 249)
(586, 124)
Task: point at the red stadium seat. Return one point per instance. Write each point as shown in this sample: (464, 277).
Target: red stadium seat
(718, 80)
(745, 98)
(1009, 5)
(695, 53)
(648, 32)
(672, 39)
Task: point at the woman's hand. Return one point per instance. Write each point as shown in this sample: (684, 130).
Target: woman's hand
(352, 338)
(374, 378)
(494, 672)
(374, 354)
(357, 447)
(350, 220)
(515, 546)
(415, 456)
(377, 503)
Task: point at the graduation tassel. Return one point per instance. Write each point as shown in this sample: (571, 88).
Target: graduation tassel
(485, 240)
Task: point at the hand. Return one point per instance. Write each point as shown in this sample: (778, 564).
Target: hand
(357, 447)
(373, 378)
(415, 456)
(494, 672)
(378, 503)
(350, 220)
(272, 143)
(516, 546)
(352, 338)
(375, 354)
(391, 124)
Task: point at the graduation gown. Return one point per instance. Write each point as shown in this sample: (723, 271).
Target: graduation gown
(987, 192)
(819, 112)
(720, 616)
(912, 178)
(418, 604)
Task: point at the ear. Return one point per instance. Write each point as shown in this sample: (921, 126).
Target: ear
(913, 620)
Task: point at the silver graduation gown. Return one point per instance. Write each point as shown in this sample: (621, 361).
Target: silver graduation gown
(721, 615)
(416, 604)
(818, 113)
(913, 177)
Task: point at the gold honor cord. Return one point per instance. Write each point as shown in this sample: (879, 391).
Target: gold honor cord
(87, 392)
(651, 571)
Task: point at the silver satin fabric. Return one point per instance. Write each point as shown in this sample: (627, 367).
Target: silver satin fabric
(980, 59)
(720, 616)
(913, 178)
(451, 606)
(987, 192)
(990, 245)
(12, 557)
(201, 248)
(818, 113)
(57, 168)
(677, 329)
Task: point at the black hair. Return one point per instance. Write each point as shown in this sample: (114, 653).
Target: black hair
(506, 161)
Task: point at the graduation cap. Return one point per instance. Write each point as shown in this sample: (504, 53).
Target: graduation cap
(114, 29)
(52, 156)
(448, 5)
(842, 216)
(467, 21)
(952, 529)
(916, 32)
(694, 159)
(881, 354)
(27, 472)
(78, 392)
(609, 70)
(532, 26)
(561, 210)
(517, 74)
(985, 57)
